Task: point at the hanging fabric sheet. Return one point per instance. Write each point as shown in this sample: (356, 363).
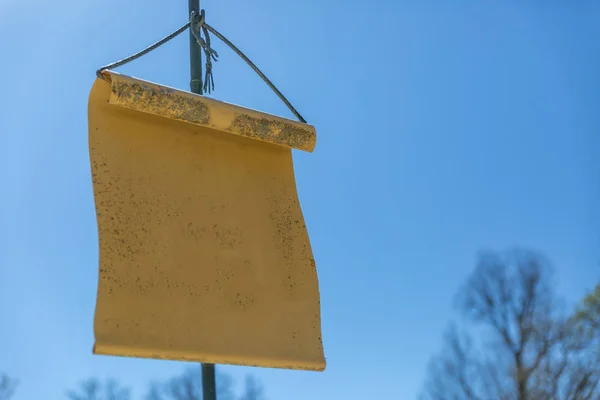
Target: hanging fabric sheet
(204, 252)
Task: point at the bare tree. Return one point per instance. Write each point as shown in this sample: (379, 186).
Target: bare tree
(93, 389)
(188, 386)
(154, 392)
(7, 387)
(253, 390)
(528, 348)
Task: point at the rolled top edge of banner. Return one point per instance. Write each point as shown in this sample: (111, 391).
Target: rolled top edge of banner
(167, 102)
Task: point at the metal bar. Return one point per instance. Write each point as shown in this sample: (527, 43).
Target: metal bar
(209, 390)
(195, 53)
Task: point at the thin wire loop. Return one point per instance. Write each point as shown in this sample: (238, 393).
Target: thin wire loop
(147, 50)
(198, 24)
(256, 69)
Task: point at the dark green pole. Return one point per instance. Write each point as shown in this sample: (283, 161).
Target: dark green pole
(209, 387)
(195, 54)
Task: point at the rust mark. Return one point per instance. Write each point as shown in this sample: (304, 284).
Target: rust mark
(273, 131)
(160, 100)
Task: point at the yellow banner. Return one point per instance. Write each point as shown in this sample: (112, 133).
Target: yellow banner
(204, 252)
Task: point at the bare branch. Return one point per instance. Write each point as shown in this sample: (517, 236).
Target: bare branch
(455, 373)
(154, 392)
(253, 390)
(92, 389)
(188, 386)
(7, 387)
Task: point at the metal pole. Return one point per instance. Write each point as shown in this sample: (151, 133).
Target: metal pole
(209, 390)
(195, 54)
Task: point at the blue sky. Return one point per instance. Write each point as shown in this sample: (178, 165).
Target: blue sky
(443, 128)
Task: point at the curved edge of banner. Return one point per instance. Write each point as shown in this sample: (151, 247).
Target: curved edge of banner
(163, 101)
(173, 355)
